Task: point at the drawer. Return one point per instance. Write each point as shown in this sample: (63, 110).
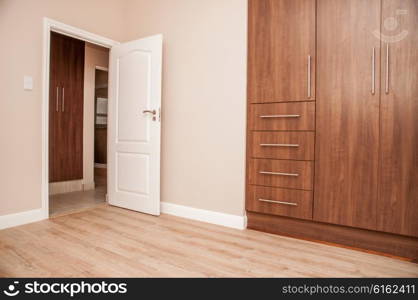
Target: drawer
(282, 116)
(281, 202)
(282, 145)
(281, 173)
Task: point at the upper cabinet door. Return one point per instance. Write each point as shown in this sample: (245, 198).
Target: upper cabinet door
(398, 204)
(347, 112)
(281, 50)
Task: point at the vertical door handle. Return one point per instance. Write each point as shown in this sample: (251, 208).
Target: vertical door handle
(57, 101)
(63, 99)
(387, 68)
(309, 76)
(374, 71)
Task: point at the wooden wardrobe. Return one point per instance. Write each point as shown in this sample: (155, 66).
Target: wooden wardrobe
(66, 88)
(332, 147)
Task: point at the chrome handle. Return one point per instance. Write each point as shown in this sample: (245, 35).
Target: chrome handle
(153, 112)
(149, 112)
(280, 116)
(57, 101)
(280, 145)
(278, 202)
(387, 68)
(309, 76)
(63, 99)
(374, 71)
(279, 174)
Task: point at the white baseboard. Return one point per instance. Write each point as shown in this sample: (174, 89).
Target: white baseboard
(22, 218)
(187, 212)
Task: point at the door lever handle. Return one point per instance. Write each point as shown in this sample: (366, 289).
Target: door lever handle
(153, 112)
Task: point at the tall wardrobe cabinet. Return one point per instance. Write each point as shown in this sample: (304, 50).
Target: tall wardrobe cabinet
(66, 87)
(333, 121)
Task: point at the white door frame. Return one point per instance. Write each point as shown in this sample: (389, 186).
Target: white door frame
(55, 26)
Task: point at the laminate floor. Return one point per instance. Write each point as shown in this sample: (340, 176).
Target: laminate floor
(111, 242)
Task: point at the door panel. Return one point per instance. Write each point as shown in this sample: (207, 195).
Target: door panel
(398, 203)
(66, 108)
(347, 113)
(134, 125)
(278, 50)
(130, 91)
(72, 108)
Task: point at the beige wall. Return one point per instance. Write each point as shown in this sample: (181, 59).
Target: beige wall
(95, 56)
(204, 87)
(20, 111)
(204, 92)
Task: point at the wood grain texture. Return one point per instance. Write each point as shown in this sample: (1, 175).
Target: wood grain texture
(302, 199)
(303, 181)
(304, 140)
(347, 114)
(112, 242)
(360, 238)
(278, 50)
(66, 128)
(305, 121)
(398, 203)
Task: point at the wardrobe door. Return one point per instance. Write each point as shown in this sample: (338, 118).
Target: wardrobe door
(58, 74)
(72, 112)
(347, 112)
(398, 202)
(281, 50)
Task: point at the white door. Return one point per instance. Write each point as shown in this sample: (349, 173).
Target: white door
(134, 125)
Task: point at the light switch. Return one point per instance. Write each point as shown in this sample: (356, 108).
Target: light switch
(27, 83)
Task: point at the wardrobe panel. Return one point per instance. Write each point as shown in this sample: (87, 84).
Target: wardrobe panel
(347, 112)
(66, 108)
(281, 38)
(398, 203)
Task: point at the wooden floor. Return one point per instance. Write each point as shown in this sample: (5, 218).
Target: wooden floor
(112, 242)
(63, 204)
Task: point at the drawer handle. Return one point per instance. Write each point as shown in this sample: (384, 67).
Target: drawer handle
(280, 145)
(278, 202)
(280, 116)
(279, 173)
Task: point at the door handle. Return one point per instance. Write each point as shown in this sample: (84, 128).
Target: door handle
(309, 76)
(374, 71)
(387, 69)
(153, 112)
(57, 101)
(63, 99)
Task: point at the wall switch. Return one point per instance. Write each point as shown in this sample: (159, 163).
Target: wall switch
(27, 83)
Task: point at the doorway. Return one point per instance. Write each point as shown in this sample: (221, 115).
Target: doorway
(134, 119)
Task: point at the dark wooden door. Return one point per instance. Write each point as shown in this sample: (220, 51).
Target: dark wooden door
(281, 40)
(398, 197)
(66, 108)
(58, 74)
(347, 112)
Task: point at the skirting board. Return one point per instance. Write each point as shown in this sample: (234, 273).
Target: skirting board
(227, 220)
(207, 216)
(22, 218)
